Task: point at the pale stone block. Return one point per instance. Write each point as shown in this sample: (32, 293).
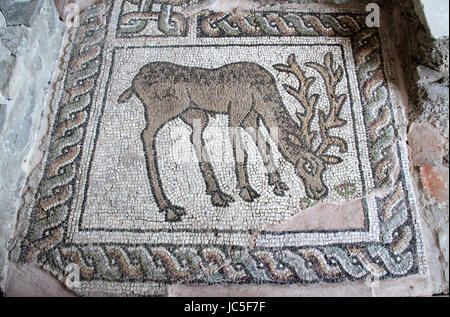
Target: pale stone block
(32, 281)
(434, 16)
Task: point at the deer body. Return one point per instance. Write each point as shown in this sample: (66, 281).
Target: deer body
(248, 94)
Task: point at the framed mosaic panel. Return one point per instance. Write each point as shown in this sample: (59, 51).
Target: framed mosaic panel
(202, 150)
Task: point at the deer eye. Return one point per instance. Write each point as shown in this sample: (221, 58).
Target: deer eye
(307, 166)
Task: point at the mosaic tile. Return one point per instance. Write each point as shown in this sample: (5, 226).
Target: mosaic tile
(180, 141)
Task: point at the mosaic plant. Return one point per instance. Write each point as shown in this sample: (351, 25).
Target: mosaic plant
(179, 140)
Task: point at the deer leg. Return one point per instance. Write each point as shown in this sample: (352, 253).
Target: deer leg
(246, 191)
(251, 124)
(173, 213)
(274, 179)
(198, 120)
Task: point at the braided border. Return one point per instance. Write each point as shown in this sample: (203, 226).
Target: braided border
(48, 220)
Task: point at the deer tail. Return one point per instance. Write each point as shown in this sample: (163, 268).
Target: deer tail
(127, 94)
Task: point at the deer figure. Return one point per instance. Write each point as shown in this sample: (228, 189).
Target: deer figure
(248, 94)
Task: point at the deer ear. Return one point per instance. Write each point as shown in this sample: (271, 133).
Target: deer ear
(331, 159)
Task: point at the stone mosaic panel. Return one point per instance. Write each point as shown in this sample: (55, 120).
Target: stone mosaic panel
(180, 143)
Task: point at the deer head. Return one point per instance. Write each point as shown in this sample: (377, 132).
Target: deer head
(311, 163)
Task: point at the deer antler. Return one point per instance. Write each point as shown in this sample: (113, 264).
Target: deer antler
(331, 77)
(328, 121)
(301, 94)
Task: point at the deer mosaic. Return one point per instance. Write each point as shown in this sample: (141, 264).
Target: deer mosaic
(247, 93)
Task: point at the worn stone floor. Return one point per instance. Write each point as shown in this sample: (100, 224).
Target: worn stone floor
(253, 153)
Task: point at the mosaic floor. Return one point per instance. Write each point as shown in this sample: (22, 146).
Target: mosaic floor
(221, 149)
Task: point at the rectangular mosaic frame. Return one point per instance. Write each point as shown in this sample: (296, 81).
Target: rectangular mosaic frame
(369, 233)
(397, 253)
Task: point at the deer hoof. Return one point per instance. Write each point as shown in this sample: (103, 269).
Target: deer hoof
(280, 188)
(248, 194)
(174, 213)
(220, 199)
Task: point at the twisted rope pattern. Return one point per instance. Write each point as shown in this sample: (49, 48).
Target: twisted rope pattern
(391, 258)
(376, 104)
(277, 24)
(56, 188)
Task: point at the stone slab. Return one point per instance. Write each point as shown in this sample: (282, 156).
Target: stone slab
(434, 15)
(411, 286)
(28, 60)
(29, 280)
(20, 12)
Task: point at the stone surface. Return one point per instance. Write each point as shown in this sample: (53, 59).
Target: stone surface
(435, 181)
(80, 5)
(29, 280)
(346, 215)
(2, 20)
(435, 214)
(29, 55)
(428, 75)
(2, 116)
(425, 64)
(12, 37)
(434, 15)
(435, 220)
(409, 286)
(20, 13)
(427, 145)
(224, 6)
(444, 246)
(7, 62)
